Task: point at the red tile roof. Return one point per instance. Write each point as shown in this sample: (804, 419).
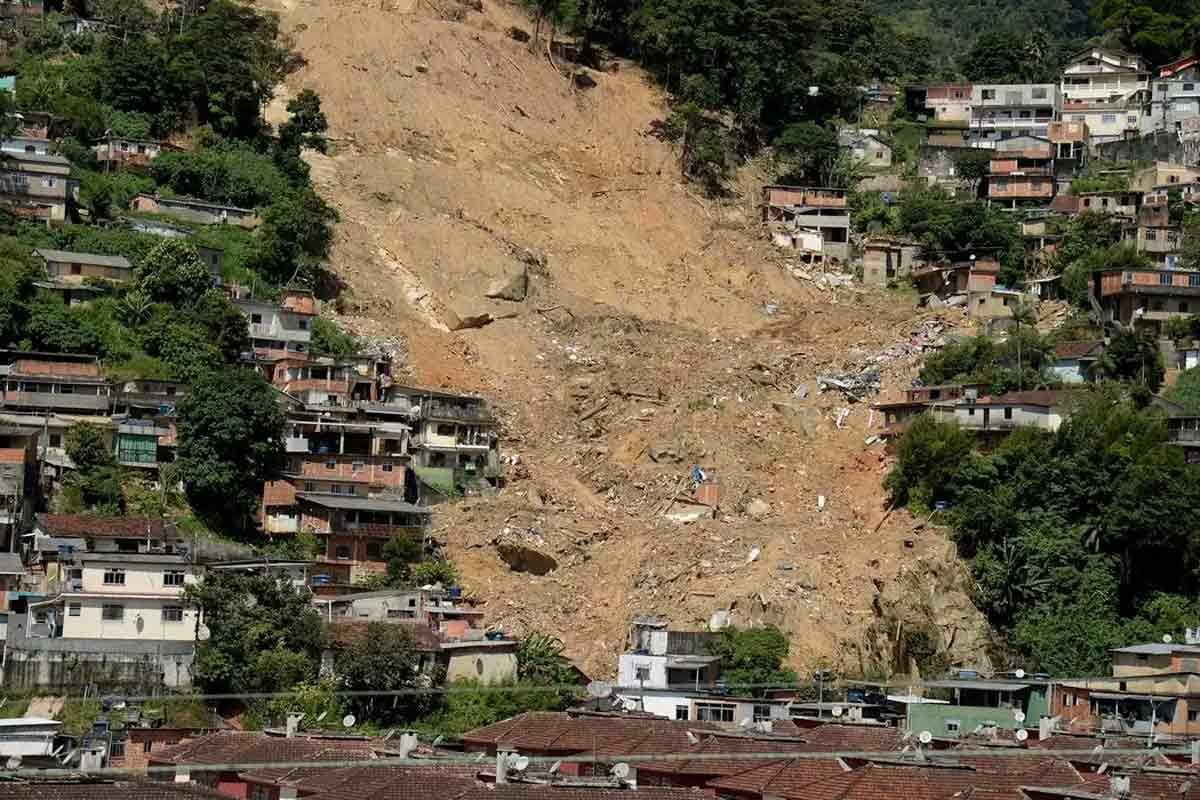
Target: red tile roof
(257, 747)
(1078, 349)
(136, 789)
(347, 632)
(1039, 397)
(56, 369)
(421, 784)
(567, 733)
(92, 525)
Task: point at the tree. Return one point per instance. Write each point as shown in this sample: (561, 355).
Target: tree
(383, 659)
(973, 166)
(230, 443)
(753, 658)
(807, 153)
(434, 571)
(1186, 391)
(225, 326)
(172, 272)
(1134, 357)
(188, 352)
(95, 485)
(329, 340)
(929, 454)
(401, 552)
(86, 447)
(263, 634)
(540, 660)
(703, 145)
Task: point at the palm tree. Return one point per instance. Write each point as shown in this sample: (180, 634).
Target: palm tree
(1022, 314)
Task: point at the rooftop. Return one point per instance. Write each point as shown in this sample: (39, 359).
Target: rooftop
(95, 526)
(348, 503)
(1078, 349)
(83, 258)
(57, 369)
(100, 789)
(1158, 649)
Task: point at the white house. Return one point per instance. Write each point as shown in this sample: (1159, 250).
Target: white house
(1106, 89)
(1044, 409)
(125, 596)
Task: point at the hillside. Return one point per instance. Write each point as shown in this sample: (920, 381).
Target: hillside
(646, 345)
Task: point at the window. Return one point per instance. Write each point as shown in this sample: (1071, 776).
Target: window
(388, 467)
(1008, 413)
(952, 725)
(1172, 179)
(256, 319)
(1193, 714)
(112, 612)
(76, 269)
(1189, 87)
(762, 713)
(309, 486)
(172, 613)
(1131, 119)
(642, 673)
(147, 746)
(357, 466)
(114, 577)
(714, 712)
(970, 412)
(1087, 202)
(49, 183)
(74, 609)
(879, 154)
(445, 430)
(374, 550)
(336, 488)
(117, 749)
(331, 464)
(141, 148)
(1164, 279)
(1151, 234)
(1183, 308)
(681, 712)
(173, 577)
(1194, 279)
(56, 440)
(1108, 119)
(1039, 93)
(989, 94)
(343, 552)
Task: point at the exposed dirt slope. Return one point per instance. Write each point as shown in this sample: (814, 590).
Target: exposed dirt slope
(644, 345)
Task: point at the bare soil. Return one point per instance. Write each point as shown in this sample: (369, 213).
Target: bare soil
(660, 330)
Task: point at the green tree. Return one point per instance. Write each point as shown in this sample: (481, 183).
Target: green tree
(469, 704)
(329, 340)
(263, 634)
(434, 571)
(172, 272)
(929, 454)
(188, 352)
(973, 166)
(401, 552)
(1186, 391)
(702, 142)
(384, 659)
(225, 326)
(541, 660)
(230, 443)
(87, 448)
(806, 153)
(753, 657)
(1133, 357)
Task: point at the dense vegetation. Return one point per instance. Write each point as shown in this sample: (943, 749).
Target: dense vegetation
(1079, 540)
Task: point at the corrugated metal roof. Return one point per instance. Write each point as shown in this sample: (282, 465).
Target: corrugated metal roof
(361, 503)
(83, 258)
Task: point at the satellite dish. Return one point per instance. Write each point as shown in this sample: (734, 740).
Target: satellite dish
(925, 738)
(1020, 673)
(14, 762)
(1019, 716)
(519, 763)
(348, 721)
(555, 767)
(322, 715)
(838, 711)
(599, 690)
(620, 770)
(1166, 638)
(692, 738)
(1022, 734)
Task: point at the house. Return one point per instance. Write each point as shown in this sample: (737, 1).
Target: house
(997, 704)
(329, 382)
(21, 8)
(63, 267)
(1184, 431)
(1021, 177)
(37, 186)
(671, 674)
(1157, 235)
(283, 330)
(354, 530)
(1162, 174)
(1146, 298)
(294, 571)
(1070, 142)
(865, 146)
(820, 209)
(455, 443)
(197, 211)
(115, 613)
(949, 102)
(1174, 97)
(42, 384)
(1121, 204)
(1001, 111)
(32, 145)
(123, 151)
(18, 482)
(918, 399)
(885, 260)
(1105, 89)
(1074, 361)
(1044, 409)
(156, 227)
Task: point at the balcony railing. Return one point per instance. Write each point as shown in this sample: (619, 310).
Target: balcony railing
(56, 400)
(463, 411)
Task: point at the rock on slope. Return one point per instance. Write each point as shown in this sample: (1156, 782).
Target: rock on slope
(463, 160)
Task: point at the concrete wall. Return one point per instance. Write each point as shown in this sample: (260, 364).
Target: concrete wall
(939, 719)
(142, 619)
(112, 664)
(484, 664)
(627, 666)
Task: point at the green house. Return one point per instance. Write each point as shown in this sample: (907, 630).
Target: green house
(978, 704)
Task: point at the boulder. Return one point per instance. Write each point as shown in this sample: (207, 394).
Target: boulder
(758, 508)
(524, 557)
(513, 287)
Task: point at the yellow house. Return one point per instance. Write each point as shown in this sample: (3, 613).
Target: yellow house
(125, 596)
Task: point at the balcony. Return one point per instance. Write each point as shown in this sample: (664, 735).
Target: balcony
(1009, 123)
(1184, 430)
(441, 409)
(265, 330)
(56, 401)
(296, 444)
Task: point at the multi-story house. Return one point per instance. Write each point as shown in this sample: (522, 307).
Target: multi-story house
(1069, 141)
(354, 530)
(1106, 90)
(1001, 414)
(328, 382)
(36, 185)
(1156, 235)
(1174, 97)
(949, 102)
(671, 674)
(804, 207)
(455, 444)
(33, 145)
(283, 330)
(18, 482)
(1003, 111)
(65, 386)
(1117, 203)
(116, 602)
(1162, 174)
(1146, 298)
(144, 413)
(1019, 178)
(917, 400)
(865, 147)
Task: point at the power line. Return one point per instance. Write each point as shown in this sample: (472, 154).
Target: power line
(893, 757)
